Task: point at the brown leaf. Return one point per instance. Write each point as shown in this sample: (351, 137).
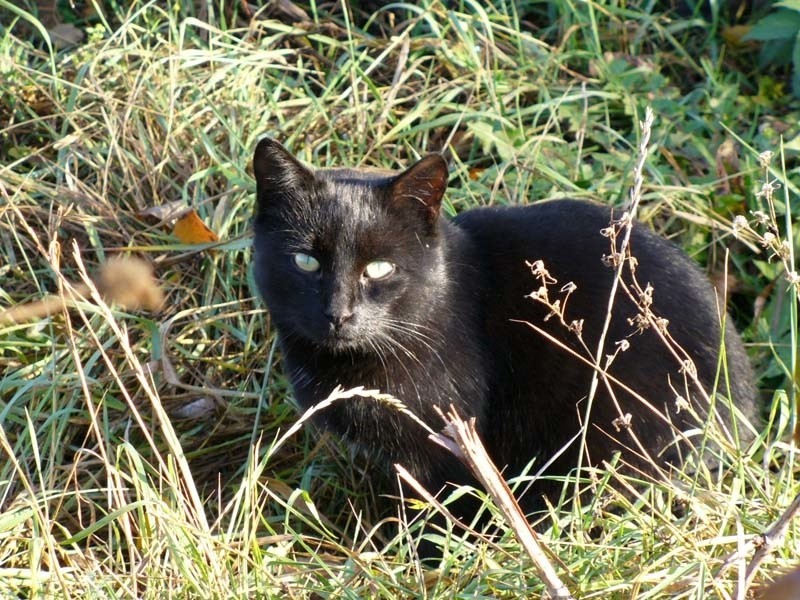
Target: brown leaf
(190, 229)
(475, 173)
(129, 282)
(65, 35)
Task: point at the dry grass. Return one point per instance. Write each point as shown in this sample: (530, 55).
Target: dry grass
(157, 454)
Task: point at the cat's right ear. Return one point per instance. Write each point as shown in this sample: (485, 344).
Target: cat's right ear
(277, 171)
(423, 185)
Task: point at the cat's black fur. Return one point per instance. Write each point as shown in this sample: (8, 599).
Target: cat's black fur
(444, 327)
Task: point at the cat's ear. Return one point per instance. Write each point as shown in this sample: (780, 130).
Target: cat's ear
(423, 184)
(277, 171)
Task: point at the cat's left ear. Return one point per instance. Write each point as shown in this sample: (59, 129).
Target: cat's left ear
(424, 184)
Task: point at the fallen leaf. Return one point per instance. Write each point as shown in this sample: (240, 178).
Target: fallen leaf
(475, 173)
(197, 409)
(190, 229)
(284, 10)
(65, 35)
(128, 282)
(165, 212)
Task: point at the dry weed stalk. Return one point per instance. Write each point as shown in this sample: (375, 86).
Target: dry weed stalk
(767, 234)
(599, 360)
(462, 440)
(770, 238)
(474, 454)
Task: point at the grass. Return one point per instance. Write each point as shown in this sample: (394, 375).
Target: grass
(159, 454)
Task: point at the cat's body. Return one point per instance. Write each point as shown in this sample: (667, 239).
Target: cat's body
(368, 286)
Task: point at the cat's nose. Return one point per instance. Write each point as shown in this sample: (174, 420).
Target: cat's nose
(338, 318)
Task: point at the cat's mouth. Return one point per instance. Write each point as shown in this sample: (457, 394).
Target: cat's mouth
(342, 339)
(338, 343)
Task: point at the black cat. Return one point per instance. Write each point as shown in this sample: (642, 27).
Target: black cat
(369, 286)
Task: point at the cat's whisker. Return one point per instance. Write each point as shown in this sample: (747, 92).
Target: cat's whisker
(412, 325)
(414, 336)
(435, 334)
(434, 354)
(410, 331)
(301, 376)
(375, 347)
(399, 344)
(392, 344)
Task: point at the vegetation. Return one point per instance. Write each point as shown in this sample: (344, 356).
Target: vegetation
(152, 454)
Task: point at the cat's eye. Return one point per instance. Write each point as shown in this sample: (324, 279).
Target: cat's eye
(378, 269)
(306, 262)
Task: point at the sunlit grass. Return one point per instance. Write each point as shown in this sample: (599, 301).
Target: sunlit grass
(146, 454)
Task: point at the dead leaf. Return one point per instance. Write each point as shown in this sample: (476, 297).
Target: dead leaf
(128, 282)
(190, 229)
(284, 10)
(65, 35)
(200, 408)
(165, 212)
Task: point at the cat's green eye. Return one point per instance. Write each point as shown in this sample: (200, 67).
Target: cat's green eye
(378, 269)
(306, 262)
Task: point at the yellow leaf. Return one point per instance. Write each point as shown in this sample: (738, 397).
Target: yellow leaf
(191, 230)
(475, 173)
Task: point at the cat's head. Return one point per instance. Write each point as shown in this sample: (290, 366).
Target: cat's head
(349, 259)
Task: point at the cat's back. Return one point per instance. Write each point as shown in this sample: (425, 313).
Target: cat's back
(557, 224)
(571, 238)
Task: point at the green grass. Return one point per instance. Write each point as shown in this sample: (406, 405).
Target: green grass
(153, 455)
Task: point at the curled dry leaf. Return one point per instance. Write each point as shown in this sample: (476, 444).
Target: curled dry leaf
(126, 282)
(728, 167)
(195, 410)
(164, 213)
(735, 35)
(65, 35)
(129, 282)
(284, 10)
